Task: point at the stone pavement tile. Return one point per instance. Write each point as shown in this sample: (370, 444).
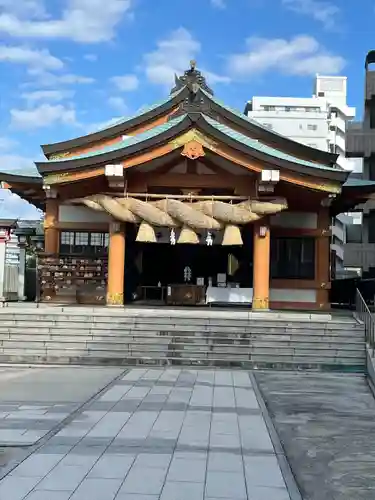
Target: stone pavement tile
(144, 480)
(82, 460)
(231, 441)
(265, 493)
(182, 491)
(246, 399)
(137, 393)
(187, 470)
(190, 454)
(63, 478)
(37, 465)
(223, 378)
(134, 374)
(132, 496)
(225, 485)
(263, 471)
(114, 393)
(110, 425)
(97, 489)
(229, 462)
(48, 495)
(241, 379)
(21, 436)
(153, 460)
(112, 466)
(16, 488)
(254, 433)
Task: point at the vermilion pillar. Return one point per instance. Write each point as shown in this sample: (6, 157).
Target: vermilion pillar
(51, 231)
(261, 265)
(116, 265)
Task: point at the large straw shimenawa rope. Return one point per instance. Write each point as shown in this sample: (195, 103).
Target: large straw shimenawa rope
(211, 215)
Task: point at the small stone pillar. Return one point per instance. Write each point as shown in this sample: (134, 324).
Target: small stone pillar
(23, 235)
(116, 265)
(261, 266)
(4, 234)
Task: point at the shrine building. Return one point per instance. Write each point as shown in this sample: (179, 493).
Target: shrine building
(188, 202)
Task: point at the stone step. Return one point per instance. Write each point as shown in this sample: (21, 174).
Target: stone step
(193, 342)
(243, 340)
(162, 322)
(145, 327)
(321, 356)
(286, 362)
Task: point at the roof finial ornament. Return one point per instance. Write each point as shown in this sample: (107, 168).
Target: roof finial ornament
(192, 79)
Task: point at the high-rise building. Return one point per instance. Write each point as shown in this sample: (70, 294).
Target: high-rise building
(360, 143)
(320, 122)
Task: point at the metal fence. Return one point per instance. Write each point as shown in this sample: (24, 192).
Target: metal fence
(364, 314)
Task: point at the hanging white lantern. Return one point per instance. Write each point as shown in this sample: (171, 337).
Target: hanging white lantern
(209, 239)
(172, 237)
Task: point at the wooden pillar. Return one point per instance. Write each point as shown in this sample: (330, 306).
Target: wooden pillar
(51, 232)
(116, 265)
(261, 265)
(322, 260)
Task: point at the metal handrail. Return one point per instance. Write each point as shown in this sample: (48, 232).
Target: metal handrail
(364, 314)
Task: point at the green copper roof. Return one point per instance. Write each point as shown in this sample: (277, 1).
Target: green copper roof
(142, 111)
(28, 172)
(259, 146)
(239, 114)
(353, 182)
(129, 141)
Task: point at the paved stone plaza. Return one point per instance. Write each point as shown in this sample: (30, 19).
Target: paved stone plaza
(155, 434)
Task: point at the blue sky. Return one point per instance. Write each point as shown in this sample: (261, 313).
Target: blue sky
(70, 66)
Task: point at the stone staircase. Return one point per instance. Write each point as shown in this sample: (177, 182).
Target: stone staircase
(206, 337)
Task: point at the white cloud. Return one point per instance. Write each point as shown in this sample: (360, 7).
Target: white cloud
(324, 12)
(48, 79)
(299, 56)
(41, 59)
(26, 9)
(43, 116)
(118, 103)
(87, 21)
(218, 4)
(126, 83)
(19, 208)
(173, 56)
(90, 57)
(46, 95)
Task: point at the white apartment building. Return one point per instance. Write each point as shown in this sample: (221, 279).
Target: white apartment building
(319, 121)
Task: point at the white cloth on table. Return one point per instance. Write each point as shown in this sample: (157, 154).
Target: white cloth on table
(224, 295)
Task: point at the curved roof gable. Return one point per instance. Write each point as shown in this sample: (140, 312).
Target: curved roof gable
(119, 127)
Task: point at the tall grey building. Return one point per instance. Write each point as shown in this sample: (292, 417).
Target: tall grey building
(320, 122)
(360, 143)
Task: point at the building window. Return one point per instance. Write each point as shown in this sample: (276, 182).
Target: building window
(269, 108)
(312, 126)
(288, 109)
(353, 233)
(268, 125)
(371, 226)
(293, 258)
(83, 243)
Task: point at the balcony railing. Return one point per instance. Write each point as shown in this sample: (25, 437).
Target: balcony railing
(360, 142)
